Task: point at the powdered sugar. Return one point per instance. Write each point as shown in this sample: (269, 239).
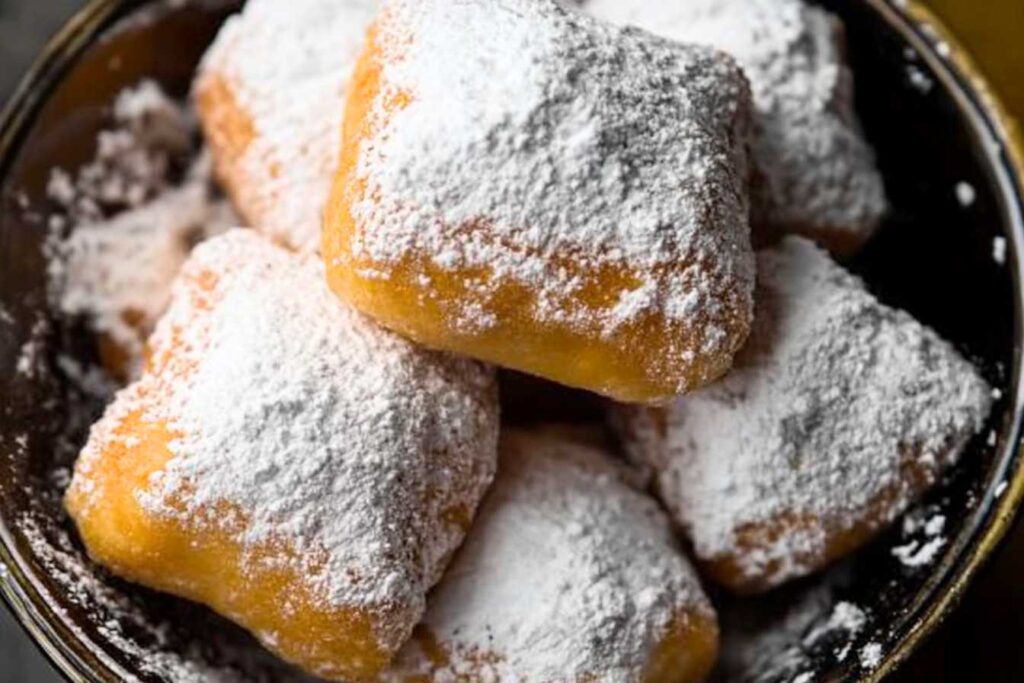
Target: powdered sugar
(126, 226)
(845, 616)
(33, 350)
(150, 139)
(817, 172)
(999, 250)
(838, 413)
(316, 428)
(924, 539)
(966, 195)
(919, 79)
(286, 66)
(916, 554)
(871, 656)
(791, 635)
(541, 148)
(568, 574)
(125, 626)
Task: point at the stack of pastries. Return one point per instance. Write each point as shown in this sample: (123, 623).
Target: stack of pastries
(439, 189)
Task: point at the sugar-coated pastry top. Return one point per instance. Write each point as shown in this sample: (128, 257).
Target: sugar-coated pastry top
(839, 408)
(286, 66)
(300, 423)
(567, 575)
(521, 141)
(817, 173)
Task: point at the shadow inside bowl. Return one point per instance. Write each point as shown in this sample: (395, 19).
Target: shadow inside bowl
(934, 257)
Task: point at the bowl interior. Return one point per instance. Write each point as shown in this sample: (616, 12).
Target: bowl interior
(935, 257)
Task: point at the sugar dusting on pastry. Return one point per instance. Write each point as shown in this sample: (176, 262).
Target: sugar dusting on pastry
(125, 625)
(568, 574)
(314, 427)
(620, 589)
(563, 139)
(836, 401)
(285, 65)
(817, 173)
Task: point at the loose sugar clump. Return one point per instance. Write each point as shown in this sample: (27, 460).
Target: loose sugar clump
(126, 223)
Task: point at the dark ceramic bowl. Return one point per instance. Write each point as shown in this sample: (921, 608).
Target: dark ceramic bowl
(935, 125)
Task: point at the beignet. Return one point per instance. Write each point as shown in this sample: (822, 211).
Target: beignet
(285, 461)
(270, 93)
(840, 412)
(526, 185)
(567, 575)
(816, 173)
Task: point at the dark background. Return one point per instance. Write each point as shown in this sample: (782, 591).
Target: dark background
(980, 642)
(24, 26)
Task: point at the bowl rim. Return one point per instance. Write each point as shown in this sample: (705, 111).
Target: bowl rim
(935, 45)
(57, 56)
(1000, 510)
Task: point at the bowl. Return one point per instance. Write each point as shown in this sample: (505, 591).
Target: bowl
(950, 253)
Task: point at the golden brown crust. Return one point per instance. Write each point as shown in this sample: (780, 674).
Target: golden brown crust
(643, 434)
(168, 554)
(648, 359)
(334, 586)
(229, 131)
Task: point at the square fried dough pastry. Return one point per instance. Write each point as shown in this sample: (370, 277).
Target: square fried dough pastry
(815, 172)
(286, 462)
(567, 575)
(270, 93)
(524, 184)
(840, 412)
